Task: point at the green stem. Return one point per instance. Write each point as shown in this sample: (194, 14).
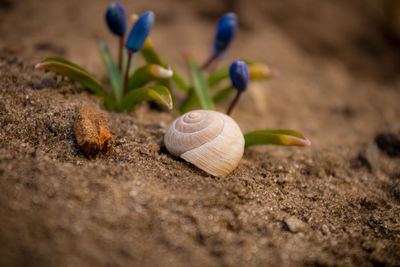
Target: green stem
(234, 102)
(207, 64)
(121, 50)
(130, 53)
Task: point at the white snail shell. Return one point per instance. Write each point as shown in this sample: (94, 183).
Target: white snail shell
(210, 140)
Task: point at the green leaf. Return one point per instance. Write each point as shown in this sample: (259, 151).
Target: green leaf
(113, 72)
(151, 56)
(218, 75)
(78, 74)
(259, 71)
(223, 93)
(158, 93)
(66, 62)
(275, 137)
(188, 102)
(146, 74)
(179, 81)
(199, 85)
(133, 63)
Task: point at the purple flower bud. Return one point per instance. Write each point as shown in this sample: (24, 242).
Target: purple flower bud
(226, 30)
(116, 18)
(140, 31)
(239, 73)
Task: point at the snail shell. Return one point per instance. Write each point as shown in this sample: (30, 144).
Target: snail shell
(210, 140)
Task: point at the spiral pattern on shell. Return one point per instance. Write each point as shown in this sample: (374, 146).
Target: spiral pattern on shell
(210, 140)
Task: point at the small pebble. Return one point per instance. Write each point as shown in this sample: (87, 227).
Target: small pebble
(389, 143)
(154, 148)
(133, 193)
(372, 155)
(295, 225)
(325, 229)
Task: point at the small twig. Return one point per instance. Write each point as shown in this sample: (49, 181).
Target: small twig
(234, 102)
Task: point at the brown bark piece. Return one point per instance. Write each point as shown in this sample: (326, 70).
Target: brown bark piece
(92, 132)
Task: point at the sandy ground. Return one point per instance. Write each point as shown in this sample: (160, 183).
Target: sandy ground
(320, 205)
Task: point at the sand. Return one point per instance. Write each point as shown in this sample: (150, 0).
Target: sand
(330, 204)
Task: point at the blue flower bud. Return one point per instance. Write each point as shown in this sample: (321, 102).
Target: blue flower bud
(140, 31)
(226, 30)
(116, 18)
(239, 73)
